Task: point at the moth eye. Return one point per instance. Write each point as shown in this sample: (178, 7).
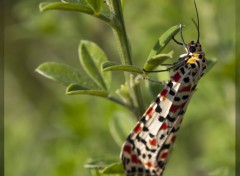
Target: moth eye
(192, 49)
(200, 56)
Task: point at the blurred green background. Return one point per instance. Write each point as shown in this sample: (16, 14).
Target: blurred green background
(50, 133)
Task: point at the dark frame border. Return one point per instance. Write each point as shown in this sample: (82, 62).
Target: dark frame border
(2, 87)
(237, 52)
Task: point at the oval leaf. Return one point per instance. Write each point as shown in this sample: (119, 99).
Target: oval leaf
(163, 41)
(74, 89)
(91, 58)
(65, 74)
(115, 168)
(156, 60)
(113, 66)
(95, 5)
(120, 126)
(65, 6)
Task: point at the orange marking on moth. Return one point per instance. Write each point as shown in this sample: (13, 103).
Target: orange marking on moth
(149, 164)
(191, 60)
(153, 142)
(164, 93)
(149, 112)
(164, 126)
(138, 128)
(164, 155)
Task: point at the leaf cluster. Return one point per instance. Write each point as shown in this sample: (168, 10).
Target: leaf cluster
(96, 77)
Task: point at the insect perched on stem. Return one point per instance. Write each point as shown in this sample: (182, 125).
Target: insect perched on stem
(146, 148)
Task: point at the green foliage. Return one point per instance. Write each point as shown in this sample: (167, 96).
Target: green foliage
(113, 169)
(113, 66)
(91, 58)
(65, 75)
(95, 5)
(163, 41)
(156, 60)
(61, 132)
(95, 63)
(73, 89)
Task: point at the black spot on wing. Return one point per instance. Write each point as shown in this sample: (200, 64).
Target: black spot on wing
(182, 70)
(158, 109)
(184, 97)
(186, 80)
(157, 101)
(161, 118)
(170, 84)
(171, 92)
(145, 129)
(177, 99)
(170, 118)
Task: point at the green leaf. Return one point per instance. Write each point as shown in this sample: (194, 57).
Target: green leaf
(95, 4)
(82, 2)
(95, 163)
(79, 7)
(113, 66)
(99, 163)
(65, 74)
(74, 89)
(163, 41)
(91, 58)
(156, 60)
(65, 6)
(120, 126)
(115, 168)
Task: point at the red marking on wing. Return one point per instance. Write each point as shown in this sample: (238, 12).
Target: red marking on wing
(163, 127)
(135, 159)
(174, 108)
(185, 89)
(164, 155)
(153, 142)
(173, 139)
(176, 77)
(127, 149)
(149, 164)
(164, 93)
(149, 112)
(138, 128)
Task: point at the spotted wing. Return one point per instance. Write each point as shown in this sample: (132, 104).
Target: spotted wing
(143, 152)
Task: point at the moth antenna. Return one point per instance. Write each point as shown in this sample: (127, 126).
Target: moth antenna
(196, 24)
(183, 42)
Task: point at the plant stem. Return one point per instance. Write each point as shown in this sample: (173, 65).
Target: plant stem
(125, 55)
(119, 101)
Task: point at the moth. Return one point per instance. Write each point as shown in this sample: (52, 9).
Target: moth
(146, 149)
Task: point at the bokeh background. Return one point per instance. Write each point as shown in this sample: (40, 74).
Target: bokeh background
(50, 133)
